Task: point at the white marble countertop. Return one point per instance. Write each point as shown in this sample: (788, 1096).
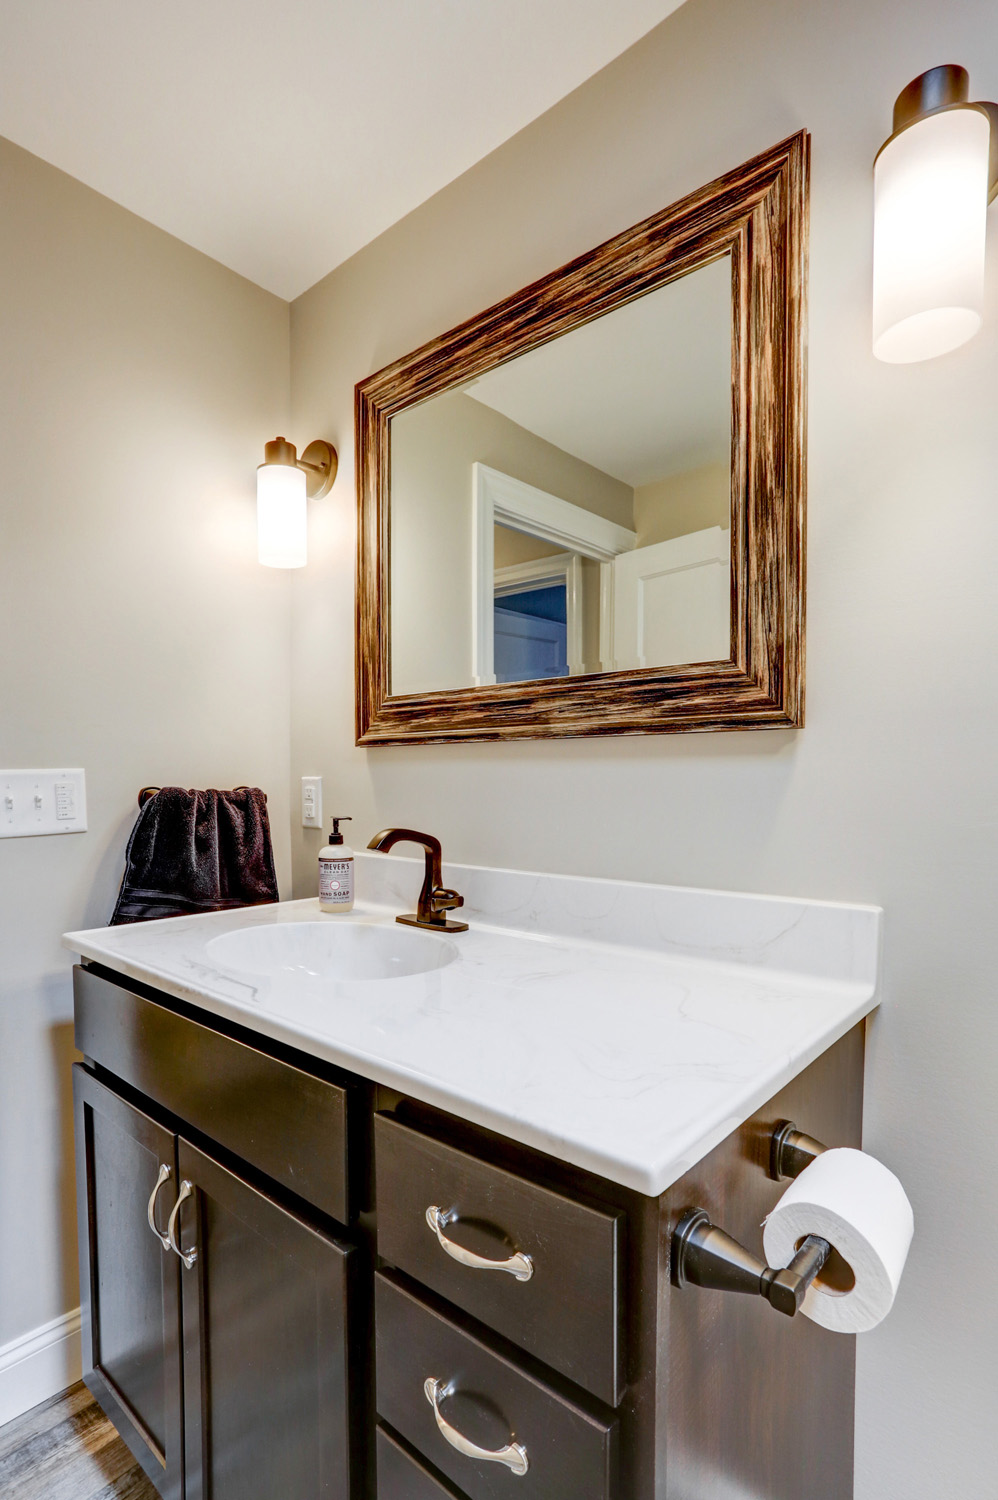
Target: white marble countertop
(624, 1028)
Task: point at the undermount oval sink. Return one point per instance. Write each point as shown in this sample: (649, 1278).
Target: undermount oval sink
(334, 949)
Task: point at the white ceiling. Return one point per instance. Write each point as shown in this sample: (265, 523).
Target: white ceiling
(640, 393)
(280, 138)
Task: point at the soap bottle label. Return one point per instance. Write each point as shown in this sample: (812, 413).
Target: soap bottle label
(336, 881)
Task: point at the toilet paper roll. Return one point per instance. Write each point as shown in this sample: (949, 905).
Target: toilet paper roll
(854, 1202)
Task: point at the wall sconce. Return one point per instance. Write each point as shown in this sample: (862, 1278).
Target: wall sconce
(932, 182)
(284, 483)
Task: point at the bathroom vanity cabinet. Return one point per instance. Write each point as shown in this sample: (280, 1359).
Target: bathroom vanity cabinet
(359, 1295)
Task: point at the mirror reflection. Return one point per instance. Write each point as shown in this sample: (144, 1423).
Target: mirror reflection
(568, 512)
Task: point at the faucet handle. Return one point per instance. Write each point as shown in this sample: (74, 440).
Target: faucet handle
(444, 899)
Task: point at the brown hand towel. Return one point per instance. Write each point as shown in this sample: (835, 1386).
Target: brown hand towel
(196, 851)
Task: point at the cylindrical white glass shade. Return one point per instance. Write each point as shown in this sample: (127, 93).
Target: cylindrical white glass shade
(281, 516)
(930, 224)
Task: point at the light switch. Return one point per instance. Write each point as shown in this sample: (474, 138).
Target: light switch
(40, 802)
(65, 800)
(311, 802)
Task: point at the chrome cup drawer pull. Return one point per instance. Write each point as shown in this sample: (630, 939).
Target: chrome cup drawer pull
(187, 1256)
(514, 1455)
(520, 1266)
(165, 1173)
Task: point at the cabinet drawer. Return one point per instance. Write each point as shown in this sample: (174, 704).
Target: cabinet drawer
(489, 1402)
(285, 1122)
(568, 1313)
(400, 1477)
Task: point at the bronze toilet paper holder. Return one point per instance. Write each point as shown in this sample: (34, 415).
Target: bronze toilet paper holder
(706, 1256)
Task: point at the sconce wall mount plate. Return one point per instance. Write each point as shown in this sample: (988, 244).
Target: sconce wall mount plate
(320, 463)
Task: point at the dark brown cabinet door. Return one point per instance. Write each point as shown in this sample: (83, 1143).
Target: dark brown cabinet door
(265, 1344)
(129, 1283)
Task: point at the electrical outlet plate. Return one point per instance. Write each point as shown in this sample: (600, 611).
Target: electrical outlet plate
(311, 802)
(34, 803)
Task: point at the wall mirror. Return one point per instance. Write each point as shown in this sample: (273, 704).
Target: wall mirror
(582, 512)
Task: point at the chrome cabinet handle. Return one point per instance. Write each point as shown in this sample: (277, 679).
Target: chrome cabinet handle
(519, 1265)
(165, 1173)
(514, 1455)
(187, 1256)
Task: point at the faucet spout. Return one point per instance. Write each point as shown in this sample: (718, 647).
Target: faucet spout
(435, 899)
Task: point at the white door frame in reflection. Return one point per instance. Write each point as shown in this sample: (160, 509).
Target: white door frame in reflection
(499, 499)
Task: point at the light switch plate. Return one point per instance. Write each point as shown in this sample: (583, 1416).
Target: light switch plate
(311, 802)
(33, 803)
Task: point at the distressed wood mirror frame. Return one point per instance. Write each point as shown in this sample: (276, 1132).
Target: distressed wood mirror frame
(758, 215)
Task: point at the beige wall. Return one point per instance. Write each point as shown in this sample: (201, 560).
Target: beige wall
(516, 547)
(140, 639)
(433, 448)
(684, 502)
(888, 795)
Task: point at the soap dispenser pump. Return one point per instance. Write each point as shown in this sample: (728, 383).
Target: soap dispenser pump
(336, 872)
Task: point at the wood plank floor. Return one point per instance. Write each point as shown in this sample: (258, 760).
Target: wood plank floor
(66, 1449)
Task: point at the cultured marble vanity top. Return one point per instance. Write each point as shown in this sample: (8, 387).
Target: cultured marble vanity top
(621, 1027)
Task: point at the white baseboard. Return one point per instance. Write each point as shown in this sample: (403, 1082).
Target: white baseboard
(39, 1364)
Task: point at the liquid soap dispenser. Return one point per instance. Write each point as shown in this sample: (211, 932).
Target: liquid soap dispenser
(336, 872)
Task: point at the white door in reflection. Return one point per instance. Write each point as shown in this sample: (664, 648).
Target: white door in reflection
(530, 634)
(670, 601)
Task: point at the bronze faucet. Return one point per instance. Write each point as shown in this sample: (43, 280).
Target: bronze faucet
(435, 898)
